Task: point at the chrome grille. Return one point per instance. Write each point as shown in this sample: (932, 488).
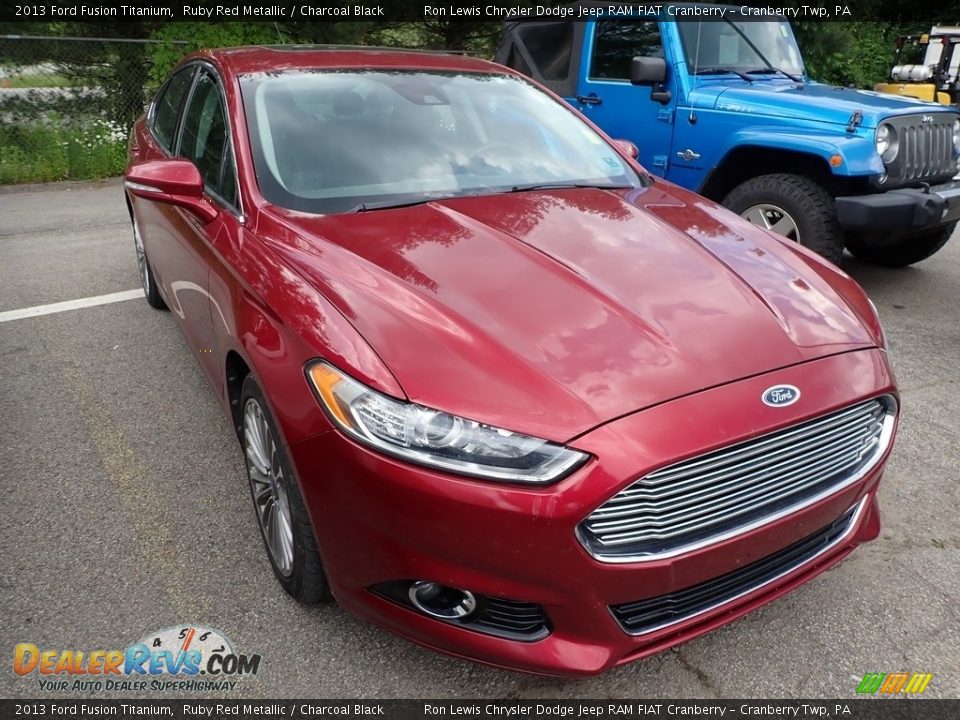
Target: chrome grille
(926, 148)
(712, 496)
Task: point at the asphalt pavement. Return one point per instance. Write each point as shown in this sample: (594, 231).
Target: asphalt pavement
(126, 510)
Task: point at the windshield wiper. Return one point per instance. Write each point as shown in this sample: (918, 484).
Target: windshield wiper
(718, 70)
(771, 69)
(562, 185)
(385, 204)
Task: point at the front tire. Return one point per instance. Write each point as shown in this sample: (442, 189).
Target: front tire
(793, 206)
(901, 251)
(281, 514)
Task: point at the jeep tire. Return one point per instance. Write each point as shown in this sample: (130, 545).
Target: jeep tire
(898, 251)
(794, 206)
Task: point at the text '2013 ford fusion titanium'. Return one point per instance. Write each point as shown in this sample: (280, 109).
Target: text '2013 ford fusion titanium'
(499, 390)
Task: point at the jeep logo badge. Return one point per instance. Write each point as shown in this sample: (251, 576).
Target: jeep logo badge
(780, 395)
(926, 119)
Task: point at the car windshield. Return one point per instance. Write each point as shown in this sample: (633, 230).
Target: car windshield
(741, 46)
(336, 141)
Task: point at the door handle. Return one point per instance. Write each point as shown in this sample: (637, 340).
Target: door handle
(588, 100)
(688, 155)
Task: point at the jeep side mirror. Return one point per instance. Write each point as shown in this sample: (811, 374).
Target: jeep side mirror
(648, 70)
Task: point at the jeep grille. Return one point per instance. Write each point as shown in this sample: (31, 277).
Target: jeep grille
(926, 149)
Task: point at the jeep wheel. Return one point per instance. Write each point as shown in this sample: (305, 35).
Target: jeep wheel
(900, 251)
(793, 206)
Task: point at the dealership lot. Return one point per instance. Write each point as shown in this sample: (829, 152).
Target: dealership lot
(127, 509)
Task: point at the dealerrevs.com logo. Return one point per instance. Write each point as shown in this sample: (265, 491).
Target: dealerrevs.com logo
(188, 657)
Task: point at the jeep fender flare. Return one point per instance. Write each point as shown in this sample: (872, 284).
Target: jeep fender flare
(858, 155)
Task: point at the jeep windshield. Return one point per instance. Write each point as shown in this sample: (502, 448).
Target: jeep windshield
(345, 140)
(741, 48)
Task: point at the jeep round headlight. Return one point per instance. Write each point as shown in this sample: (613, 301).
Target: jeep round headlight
(887, 145)
(956, 136)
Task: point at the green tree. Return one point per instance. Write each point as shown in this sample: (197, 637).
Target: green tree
(177, 39)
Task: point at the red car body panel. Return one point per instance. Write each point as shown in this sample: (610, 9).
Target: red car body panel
(552, 312)
(511, 543)
(566, 314)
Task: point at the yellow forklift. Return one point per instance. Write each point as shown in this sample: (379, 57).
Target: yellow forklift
(926, 67)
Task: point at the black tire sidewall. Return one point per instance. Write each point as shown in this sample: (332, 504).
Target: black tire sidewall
(306, 581)
(154, 299)
(901, 251)
(811, 207)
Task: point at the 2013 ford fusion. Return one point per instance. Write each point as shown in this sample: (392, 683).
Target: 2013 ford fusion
(499, 390)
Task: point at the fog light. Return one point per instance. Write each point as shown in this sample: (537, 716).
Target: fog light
(442, 602)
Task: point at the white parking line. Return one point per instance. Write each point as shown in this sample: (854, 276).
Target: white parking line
(69, 305)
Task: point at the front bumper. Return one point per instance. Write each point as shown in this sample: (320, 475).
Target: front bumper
(378, 520)
(904, 209)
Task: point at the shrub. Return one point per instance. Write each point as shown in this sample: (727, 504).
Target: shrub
(57, 150)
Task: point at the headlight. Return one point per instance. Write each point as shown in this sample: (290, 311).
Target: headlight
(956, 136)
(884, 345)
(437, 439)
(887, 145)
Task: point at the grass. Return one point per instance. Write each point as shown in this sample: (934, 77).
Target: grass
(57, 150)
(38, 80)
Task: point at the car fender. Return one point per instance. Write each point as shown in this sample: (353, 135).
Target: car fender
(277, 328)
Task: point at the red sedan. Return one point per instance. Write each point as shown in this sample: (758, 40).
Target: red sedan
(498, 389)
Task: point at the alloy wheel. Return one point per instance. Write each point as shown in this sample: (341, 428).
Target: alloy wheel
(141, 258)
(773, 218)
(268, 486)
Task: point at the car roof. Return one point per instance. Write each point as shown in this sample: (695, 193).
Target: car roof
(265, 58)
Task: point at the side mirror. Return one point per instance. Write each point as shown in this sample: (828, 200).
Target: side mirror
(175, 182)
(627, 148)
(648, 70)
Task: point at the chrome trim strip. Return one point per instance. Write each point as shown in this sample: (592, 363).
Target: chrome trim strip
(883, 444)
(141, 187)
(854, 522)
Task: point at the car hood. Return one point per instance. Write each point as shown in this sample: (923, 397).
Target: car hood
(814, 102)
(552, 312)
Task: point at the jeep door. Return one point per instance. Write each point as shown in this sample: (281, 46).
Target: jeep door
(606, 96)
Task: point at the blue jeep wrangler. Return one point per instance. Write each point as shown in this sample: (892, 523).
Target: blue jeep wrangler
(724, 107)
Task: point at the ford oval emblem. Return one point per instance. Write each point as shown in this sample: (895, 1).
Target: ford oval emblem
(780, 395)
